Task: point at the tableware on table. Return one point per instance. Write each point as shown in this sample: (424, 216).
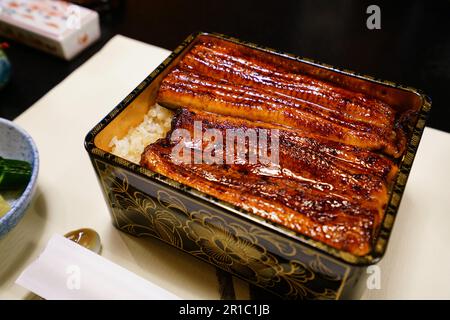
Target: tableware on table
(68, 271)
(286, 263)
(16, 143)
(87, 238)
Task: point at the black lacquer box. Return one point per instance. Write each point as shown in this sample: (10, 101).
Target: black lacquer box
(288, 264)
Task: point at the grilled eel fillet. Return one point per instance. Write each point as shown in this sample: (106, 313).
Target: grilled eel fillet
(329, 191)
(223, 78)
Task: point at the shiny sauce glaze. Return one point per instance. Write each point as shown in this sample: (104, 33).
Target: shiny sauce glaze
(220, 77)
(337, 147)
(327, 190)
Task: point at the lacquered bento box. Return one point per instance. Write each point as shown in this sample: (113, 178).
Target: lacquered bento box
(277, 259)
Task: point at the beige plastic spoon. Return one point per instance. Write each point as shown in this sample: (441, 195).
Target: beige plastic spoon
(87, 238)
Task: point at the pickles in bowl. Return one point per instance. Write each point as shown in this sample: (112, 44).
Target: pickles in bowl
(19, 166)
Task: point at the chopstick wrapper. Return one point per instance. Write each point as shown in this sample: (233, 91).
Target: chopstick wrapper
(66, 270)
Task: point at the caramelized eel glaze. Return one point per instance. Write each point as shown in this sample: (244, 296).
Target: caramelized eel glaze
(335, 146)
(221, 78)
(327, 190)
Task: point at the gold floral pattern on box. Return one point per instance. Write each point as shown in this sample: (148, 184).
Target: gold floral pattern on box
(250, 252)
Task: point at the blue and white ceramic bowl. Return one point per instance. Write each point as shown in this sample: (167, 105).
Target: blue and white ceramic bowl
(15, 143)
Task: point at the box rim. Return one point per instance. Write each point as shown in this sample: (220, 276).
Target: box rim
(381, 241)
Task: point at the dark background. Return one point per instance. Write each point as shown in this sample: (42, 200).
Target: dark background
(412, 47)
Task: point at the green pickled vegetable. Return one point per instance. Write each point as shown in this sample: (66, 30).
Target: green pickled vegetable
(14, 174)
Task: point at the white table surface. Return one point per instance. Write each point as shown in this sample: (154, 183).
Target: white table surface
(417, 263)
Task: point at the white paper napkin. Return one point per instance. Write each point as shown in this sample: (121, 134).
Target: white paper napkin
(66, 270)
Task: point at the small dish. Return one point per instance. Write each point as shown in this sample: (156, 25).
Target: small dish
(17, 144)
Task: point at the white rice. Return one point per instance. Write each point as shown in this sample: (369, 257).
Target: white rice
(156, 124)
